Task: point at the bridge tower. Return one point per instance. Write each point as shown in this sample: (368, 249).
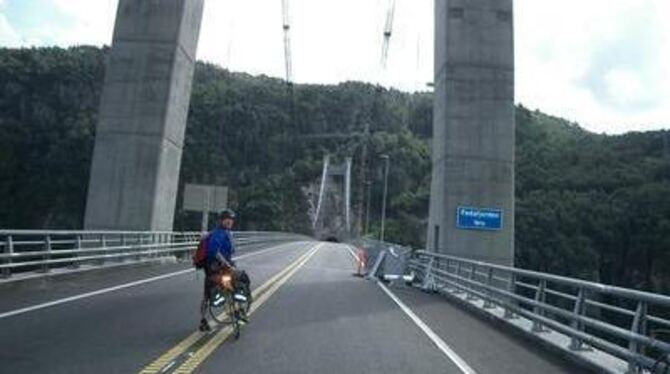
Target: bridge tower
(142, 117)
(472, 188)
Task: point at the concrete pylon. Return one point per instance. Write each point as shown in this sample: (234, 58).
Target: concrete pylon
(473, 131)
(144, 105)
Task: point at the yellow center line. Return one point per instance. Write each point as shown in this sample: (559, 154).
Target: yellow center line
(157, 365)
(206, 350)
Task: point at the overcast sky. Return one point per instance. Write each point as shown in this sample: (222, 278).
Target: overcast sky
(601, 63)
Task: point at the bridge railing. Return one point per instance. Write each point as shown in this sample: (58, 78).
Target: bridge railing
(43, 251)
(624, 323)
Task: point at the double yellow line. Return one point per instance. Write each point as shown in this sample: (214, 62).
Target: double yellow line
(198, 346)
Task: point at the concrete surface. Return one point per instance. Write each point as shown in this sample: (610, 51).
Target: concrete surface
(144, 104)
(483, 348)
(473, 127)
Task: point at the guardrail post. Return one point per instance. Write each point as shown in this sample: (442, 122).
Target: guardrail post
(470, 286)
(457, 281)
(184, 255)
(153, 247)
(121, 251)
(428, 281)
(180, 255)
(164, 242)
(156, 245)
(139, 242)
(578, 310)
(489, 295)
(159, 246)
(511, 288)
(539, 297)
(9, 250)
(79, 247)
(47, 256)
(124, 244)
(639, 327)
(103, 247)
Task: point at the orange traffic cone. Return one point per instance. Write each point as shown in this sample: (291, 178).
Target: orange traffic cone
(362, 260)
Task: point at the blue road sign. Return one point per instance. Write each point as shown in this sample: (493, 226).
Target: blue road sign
(469, 218)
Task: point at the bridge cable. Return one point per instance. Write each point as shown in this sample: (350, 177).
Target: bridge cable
(388, 30)
(287, 42)
(365, 162)
(322, 190)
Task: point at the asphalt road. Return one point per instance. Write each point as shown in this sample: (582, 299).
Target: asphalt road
(325, 321)
(318, 318)
(115, 332)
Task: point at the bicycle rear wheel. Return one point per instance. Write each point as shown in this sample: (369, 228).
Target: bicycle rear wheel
(234, 314)
(236, 328)
(220, 303)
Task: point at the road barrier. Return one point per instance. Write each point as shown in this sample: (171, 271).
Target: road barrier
(41, 251)
(624, 323)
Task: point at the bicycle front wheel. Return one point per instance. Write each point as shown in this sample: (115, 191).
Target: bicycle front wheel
(220, 303)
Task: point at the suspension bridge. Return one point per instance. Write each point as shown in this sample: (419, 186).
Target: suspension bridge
(121, 295)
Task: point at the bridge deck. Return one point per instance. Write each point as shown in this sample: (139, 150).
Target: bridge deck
(320, 320)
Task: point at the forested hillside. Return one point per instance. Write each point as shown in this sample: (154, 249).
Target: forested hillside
(588, 205)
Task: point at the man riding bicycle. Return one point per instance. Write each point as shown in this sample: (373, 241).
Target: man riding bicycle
(220, 250)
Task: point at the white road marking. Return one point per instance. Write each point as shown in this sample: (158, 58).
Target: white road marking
(89, 294)
(274, 248)
(122, 286)
(168, 366)
(441, 345)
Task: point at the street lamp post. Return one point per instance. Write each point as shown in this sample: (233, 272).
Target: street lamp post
(386, 177)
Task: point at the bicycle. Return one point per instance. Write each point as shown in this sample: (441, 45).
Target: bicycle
(229, 300)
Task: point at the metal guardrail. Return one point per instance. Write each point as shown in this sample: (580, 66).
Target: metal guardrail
(37, 250)
(619, 321)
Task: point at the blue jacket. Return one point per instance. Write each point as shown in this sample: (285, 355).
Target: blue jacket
(220, 241)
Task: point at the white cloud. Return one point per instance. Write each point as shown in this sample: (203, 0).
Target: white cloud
(9, 37)
(330, 41)
(602, 63)
(625, 87)
(92, 21)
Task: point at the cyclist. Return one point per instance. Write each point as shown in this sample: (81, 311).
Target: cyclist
(220, 250)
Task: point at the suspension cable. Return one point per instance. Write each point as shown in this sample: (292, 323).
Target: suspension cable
(287, 42)
(388, 30)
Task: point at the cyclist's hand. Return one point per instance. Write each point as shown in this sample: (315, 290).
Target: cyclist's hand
(225, 262)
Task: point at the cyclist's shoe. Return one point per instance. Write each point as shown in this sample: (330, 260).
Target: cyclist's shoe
(204, 326)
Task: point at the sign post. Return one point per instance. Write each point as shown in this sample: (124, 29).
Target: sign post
(205, 199)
